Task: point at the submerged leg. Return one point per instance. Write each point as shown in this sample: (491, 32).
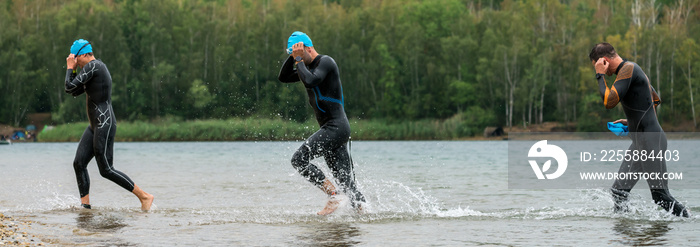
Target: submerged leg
(342, 168)
(620, 200)
(621, 187)
(657, 142)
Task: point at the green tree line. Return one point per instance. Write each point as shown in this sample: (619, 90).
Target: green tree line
(497, 62)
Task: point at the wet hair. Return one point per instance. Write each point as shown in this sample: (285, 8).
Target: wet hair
(602, 50)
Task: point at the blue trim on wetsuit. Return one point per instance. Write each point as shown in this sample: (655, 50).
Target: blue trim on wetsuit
(329, 99)
(316, 96)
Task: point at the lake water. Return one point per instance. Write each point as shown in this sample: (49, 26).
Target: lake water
(435, 193)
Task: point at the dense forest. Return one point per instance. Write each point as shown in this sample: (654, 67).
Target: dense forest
(493, 62)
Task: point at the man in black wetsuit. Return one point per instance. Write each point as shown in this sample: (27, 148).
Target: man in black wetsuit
(320, 76)
(639, 100)
(98, 139)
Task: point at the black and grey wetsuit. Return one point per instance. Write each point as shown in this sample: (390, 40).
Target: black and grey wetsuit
(638, 98)
(322, 82)
(98, 139)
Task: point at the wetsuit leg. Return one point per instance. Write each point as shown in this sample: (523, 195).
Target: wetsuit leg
(659, 187)
(621, 187)
(338, 161)
(312, 148)
(82, 158)
(103, 148)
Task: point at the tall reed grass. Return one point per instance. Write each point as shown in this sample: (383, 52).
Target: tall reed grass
(261, 129)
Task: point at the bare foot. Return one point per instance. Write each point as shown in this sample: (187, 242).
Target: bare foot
(331, 206)
(145, 198)
(146, 202)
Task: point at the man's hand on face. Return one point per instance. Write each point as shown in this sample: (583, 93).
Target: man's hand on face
(298, 50)
(71, 61)
(601, 66)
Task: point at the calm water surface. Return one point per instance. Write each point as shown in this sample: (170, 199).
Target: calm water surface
(432, 193)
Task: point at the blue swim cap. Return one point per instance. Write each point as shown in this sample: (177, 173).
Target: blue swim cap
(80, 46)
(296, 38)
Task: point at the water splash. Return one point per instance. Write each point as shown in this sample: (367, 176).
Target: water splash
(593, 203)
(43, 196)
(395, 197)
(387, 201)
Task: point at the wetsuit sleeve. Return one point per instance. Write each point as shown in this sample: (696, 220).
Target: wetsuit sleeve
(71, 87)
(611, 96)
(288, 73)
(74, 84)
(310, 79)
(655, 97)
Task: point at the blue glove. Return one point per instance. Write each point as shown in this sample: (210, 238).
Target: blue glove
(618, 128)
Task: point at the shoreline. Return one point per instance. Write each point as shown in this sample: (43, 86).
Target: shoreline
(13, 232)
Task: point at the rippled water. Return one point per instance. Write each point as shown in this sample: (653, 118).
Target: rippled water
(247, 194)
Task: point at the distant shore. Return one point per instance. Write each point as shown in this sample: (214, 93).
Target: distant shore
(251, 129)
(269, 130)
